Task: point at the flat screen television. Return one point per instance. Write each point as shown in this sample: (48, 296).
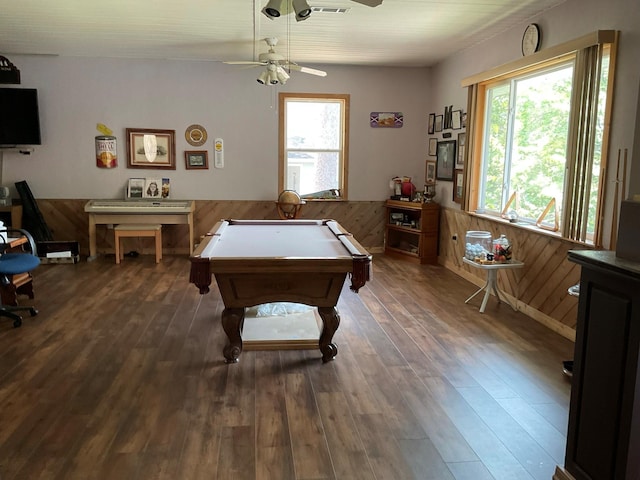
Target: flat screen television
(19, 117)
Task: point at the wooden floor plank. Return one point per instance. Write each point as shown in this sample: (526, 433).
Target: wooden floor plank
(121, 375)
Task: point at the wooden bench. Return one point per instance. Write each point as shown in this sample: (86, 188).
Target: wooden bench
(138, 230)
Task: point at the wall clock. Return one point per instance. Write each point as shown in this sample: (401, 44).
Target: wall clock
(531, 39)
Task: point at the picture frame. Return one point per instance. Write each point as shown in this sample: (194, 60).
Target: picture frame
(458, 185)
(386, 119)
(433, 146)
(432, 124)
(438, 124)
(445, 161)
(196, 159)
(446, 124)
(430, 173)
(135, 188)
(151, 148)
(456, 119)
(152, 188)
(462, 139)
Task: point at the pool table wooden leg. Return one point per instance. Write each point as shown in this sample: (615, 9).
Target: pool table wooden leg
(232, 320)
(330, 323)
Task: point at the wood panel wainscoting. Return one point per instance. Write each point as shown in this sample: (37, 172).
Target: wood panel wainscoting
(121, 376)
(68, 221)
(539, 289)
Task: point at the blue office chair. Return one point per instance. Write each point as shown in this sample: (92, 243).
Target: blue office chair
(15, 263)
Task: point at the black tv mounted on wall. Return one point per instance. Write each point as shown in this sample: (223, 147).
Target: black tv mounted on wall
(19, 117)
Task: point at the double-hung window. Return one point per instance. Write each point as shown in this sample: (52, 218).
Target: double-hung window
(314, 144)
(538, 140)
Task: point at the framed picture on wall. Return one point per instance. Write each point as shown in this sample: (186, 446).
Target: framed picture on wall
(446, 159)
(196, 159)
(438, 124)
(432, 123)
(433, 146)
(430, 172)
(456, 119)
(148, 148)
(461, 144)
(458, 186)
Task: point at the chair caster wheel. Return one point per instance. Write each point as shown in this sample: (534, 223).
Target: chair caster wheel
(33, 312)
(17, 323)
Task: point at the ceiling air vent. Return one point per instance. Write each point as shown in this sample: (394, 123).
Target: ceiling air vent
(329, 10)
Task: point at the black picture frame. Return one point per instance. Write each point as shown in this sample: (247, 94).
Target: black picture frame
(432, 124)
(446, 160)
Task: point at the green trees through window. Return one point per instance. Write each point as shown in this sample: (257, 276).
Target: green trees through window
(525, 143)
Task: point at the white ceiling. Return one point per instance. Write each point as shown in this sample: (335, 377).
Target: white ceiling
(410, 33)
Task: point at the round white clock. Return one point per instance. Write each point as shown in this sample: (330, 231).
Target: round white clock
(531, 39)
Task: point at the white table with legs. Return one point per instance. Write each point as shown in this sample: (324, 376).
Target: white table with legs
(492, 280)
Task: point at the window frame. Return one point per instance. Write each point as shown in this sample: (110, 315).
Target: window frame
(343, 152)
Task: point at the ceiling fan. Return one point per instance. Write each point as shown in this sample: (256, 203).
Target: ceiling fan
(277, 66)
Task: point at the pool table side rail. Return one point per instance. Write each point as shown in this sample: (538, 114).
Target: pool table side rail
(358, 265)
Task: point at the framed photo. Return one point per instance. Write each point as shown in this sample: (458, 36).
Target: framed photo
(438, 124)
(152, 188)
(458, 184)
(196, 159)
(461, 144)
(463, 120)
(432, 124)
(446, 123)
(135, 188)
(433, 146)
(148, 148)
(456, 119)
(430, 173)
(446, 160)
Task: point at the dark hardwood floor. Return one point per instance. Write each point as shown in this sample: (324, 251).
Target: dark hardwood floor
(121, 376)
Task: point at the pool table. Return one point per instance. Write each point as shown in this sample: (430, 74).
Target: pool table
(263, 261)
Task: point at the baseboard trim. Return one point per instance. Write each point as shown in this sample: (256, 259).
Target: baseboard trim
(562, 474)
(537, 315)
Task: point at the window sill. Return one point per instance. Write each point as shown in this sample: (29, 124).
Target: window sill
(314, 200)
(528, 227)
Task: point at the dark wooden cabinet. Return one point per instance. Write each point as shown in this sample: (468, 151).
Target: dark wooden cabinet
(412, 231)
(603, 438)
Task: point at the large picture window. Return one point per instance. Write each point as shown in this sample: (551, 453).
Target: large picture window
(313, 144)
(539, 142)
(525, 142)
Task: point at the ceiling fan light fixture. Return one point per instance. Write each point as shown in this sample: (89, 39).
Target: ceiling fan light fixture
(282, 75)
(302, 9)
(273, 78)
(275, 8)
(263, 77)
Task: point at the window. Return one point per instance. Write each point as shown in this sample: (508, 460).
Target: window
(313, 144)
(525, 143)
(538, 139)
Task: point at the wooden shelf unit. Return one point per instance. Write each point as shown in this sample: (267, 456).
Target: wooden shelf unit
(414, 234)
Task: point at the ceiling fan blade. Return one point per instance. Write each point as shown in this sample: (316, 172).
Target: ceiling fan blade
(312, 71)
(369, 3)
(240, 62)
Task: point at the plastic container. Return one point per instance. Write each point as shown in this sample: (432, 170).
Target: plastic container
(477, 245)
(502, 249)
